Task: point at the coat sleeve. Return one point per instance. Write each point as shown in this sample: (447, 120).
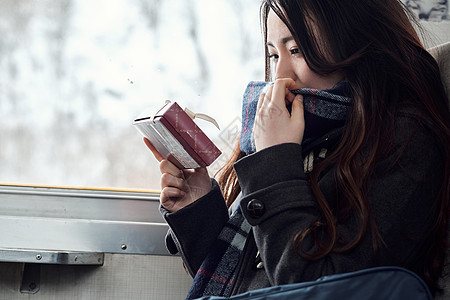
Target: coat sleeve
(403, 191)
(193, 229)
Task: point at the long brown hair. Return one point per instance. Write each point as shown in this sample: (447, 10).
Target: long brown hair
(375, 46)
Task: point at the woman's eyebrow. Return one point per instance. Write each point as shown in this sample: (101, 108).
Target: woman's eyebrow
(283, 41)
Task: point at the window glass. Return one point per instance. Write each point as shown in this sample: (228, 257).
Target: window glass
(74, 74)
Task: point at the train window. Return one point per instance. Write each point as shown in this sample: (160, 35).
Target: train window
(74, 74)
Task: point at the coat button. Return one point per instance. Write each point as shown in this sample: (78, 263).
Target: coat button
(255, 208)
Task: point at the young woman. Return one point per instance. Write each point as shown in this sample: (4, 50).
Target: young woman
(378, 195)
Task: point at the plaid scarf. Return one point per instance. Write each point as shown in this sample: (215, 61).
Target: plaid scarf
(324, 111)
(216, 275)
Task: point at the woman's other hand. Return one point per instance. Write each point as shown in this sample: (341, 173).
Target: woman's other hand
(273, 123)
(179, 188)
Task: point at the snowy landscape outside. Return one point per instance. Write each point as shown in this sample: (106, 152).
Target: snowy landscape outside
(75, 73)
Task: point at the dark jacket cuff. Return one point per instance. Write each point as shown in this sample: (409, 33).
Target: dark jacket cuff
(191, 228)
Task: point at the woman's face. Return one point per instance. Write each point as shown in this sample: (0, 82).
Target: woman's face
(287, 60)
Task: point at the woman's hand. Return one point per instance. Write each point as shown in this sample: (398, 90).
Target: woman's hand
(273, 123)
(180, 188)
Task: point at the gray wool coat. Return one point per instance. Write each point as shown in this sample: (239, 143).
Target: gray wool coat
(401, 193)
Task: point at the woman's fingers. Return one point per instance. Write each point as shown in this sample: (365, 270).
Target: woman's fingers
(203, 171)
(166, 166)
(152, 148)
(273, 123)
(265, 95)
(298, 114)
(168, 193)
(281, 92)
(171, 175)
(277, 97)
(168, 180)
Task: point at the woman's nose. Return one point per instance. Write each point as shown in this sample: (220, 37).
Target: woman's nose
(283, 68)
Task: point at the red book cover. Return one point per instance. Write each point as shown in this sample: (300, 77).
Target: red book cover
(176, 136)
(189, 132)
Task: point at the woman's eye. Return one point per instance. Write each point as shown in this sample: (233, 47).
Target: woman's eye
(295, 51)
(273, 56)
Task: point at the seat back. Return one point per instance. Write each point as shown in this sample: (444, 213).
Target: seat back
(441, 54)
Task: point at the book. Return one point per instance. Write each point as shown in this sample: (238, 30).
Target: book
(177, 137)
